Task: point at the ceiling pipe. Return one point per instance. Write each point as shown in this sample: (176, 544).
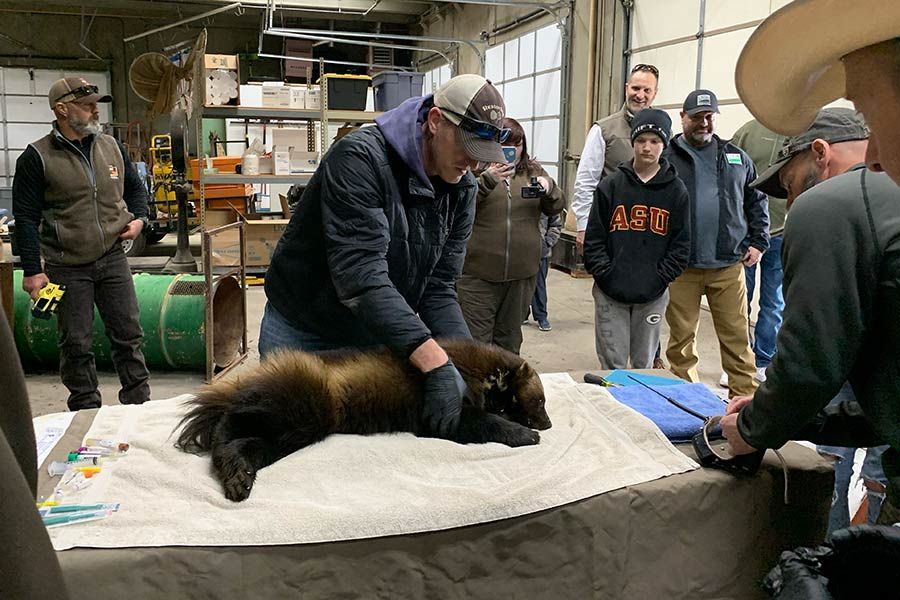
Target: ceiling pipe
(330, 62)
(288, 34)
(209, 13)
(473, 44)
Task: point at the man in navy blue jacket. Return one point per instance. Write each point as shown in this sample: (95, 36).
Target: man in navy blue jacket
(377, 241)
(729, 231)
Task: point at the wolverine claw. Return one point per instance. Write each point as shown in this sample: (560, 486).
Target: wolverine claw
(237, 478)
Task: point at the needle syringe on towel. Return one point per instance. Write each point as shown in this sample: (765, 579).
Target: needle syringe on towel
(59, 520)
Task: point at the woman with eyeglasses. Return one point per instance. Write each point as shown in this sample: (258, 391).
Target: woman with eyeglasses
(503, 255)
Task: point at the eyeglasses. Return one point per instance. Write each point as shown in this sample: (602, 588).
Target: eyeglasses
(483, 129)
(78, 93)
(646, 68)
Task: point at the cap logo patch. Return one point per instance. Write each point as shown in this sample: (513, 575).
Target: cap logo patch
(704, 100)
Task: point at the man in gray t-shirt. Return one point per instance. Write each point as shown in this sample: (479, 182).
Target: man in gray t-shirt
(729, 230)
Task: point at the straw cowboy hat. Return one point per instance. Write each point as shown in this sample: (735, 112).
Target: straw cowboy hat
(791, 65)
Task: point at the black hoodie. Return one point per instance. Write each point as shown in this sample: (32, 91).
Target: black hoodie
(638, 236)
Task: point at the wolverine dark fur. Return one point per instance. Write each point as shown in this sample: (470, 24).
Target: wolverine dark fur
(295, 399)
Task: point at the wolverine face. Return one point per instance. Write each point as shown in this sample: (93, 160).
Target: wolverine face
(517, 395)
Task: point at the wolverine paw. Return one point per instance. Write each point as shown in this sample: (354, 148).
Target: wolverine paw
(237, 476)
(522, 437)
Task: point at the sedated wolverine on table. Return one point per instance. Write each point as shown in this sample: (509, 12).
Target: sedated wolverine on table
(295, 399)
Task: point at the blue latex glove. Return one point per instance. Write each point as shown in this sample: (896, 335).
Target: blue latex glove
(444, 391)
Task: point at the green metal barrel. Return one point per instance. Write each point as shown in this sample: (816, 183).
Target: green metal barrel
(172, 317)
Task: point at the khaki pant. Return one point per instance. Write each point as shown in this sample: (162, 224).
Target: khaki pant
(726, 292)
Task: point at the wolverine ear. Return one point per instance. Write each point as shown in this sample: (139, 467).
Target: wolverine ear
(524, 371)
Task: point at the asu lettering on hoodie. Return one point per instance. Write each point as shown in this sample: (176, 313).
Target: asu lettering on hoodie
(638, 237)
(640, 217)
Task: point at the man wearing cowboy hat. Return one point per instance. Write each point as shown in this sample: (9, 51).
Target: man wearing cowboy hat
(841, 279)
(848, 49)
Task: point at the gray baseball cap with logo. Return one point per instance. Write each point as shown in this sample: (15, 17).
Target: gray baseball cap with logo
(834, 125)
(474, 105)
(75, 89)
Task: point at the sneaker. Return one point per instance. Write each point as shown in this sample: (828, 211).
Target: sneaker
(723, 380)
(544, 325)
(658, 363)
(760, 374)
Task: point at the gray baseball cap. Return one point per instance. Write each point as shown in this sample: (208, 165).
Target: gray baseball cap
(474, 105)
(834, 125)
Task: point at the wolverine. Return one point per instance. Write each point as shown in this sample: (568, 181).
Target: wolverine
(295, 399)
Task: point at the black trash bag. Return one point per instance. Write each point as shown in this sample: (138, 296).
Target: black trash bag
(857, 562)
(799, 575)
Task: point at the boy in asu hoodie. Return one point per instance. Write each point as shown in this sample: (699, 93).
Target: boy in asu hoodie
(377, 241)
(638, 240)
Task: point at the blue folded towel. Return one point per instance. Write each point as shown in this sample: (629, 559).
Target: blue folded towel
(675, 424)
(621, 377)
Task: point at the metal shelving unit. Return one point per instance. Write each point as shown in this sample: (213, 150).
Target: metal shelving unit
(239, 178)
(323, 117)
(211, 273)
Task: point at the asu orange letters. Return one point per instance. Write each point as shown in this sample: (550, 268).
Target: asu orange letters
(658, 221)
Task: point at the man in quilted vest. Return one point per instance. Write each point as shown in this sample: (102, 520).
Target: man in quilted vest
(75, 197)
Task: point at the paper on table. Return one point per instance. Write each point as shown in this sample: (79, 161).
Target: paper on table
(48, 430)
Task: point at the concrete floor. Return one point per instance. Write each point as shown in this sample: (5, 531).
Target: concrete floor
(568, 347)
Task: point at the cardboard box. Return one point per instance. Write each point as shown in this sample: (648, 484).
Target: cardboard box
(314, 99)
(298, 97)
(260, 238)
(303, 161)
(219, 70)
(293, 138)
(276, 96)
(281, 161)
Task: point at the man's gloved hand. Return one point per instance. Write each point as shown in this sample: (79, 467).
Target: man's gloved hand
(444, 391)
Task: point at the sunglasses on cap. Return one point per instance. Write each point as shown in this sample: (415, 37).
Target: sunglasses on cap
(78, 93)
(483, 129)
(646, 68)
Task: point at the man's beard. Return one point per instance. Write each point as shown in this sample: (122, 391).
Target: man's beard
(90, 126)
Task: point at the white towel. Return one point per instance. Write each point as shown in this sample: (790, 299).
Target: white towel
(350, 487)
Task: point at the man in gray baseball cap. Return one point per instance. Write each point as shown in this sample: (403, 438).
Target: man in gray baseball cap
(377, 241)
(829, 147)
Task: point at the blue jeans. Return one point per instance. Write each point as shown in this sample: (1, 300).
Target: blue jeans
(771, 302)
(276, 332)
(539, 300)
(839, 517)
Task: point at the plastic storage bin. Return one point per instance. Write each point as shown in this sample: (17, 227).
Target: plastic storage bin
(347, 92)
(393, 87)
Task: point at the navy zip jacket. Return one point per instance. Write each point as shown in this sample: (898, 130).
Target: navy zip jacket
(638, 235)
(743, 210)
(373, 250)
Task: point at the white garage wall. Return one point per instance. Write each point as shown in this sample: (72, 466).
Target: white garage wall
(664, 33)
(25, 114)
(527, 70)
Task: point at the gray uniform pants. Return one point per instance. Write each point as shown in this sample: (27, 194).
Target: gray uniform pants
(623, 331)
(494, 311)
(107, 283)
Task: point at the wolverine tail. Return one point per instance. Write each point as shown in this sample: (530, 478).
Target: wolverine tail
(200, 422)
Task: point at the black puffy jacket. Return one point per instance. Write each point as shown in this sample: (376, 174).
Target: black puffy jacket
(372, 253)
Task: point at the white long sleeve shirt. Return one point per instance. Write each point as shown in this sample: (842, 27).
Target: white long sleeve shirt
(590, 168)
